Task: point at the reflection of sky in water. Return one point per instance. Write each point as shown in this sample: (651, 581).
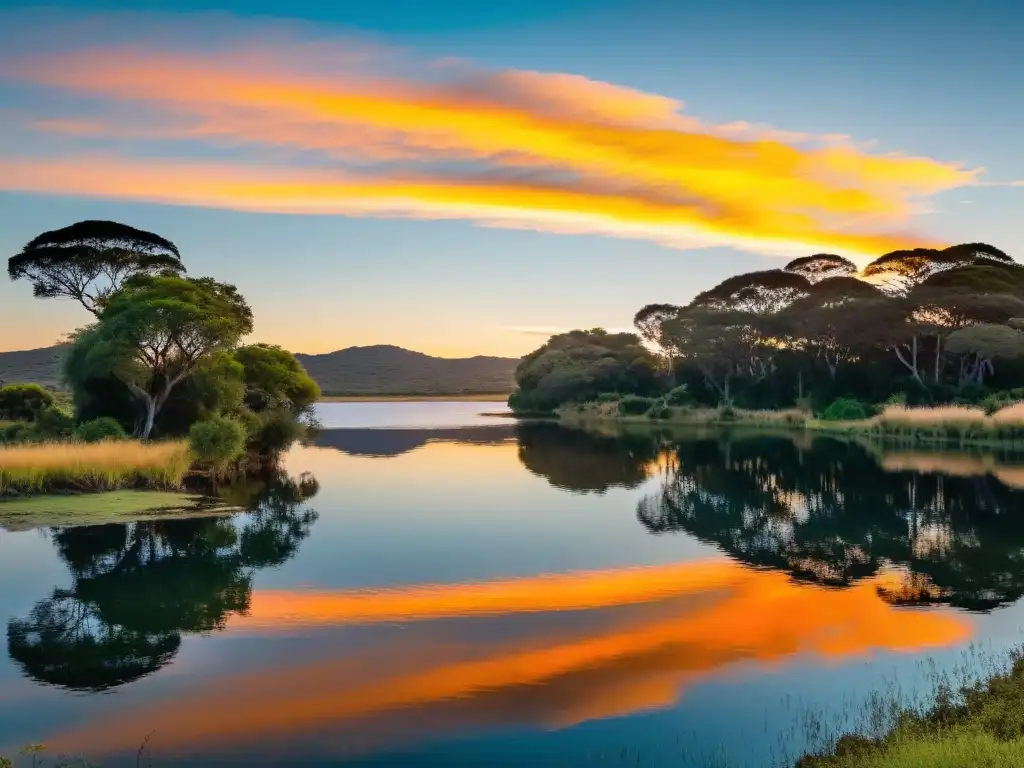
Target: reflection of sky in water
(451, 607)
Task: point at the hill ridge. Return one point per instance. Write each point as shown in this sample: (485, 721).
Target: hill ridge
(377, 369)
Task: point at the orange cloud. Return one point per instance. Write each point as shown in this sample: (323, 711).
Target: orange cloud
(547, 151)
(712, 615)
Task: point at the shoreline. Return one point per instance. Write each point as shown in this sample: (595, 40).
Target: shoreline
(455, 398)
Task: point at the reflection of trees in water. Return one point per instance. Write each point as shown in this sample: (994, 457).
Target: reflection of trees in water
(137, 587)
(583, 462)
(832, 515)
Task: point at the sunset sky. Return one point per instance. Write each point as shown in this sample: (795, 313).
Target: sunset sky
(465, 178)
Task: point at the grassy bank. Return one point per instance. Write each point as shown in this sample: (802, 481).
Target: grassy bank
(943, 425)
(975, 724)
(103, 466)
(470, 398)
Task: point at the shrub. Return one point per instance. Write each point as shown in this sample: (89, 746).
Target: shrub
(217, 442)
(23, 402)
(897, 399)
(634, 405)
(728, 413)
(608, 397)
(53, 424)
(103, 428)
(972, 394)
(660, 412)
(998, 400)
(272, 432)
(846, 409)
(18, 432)
(679, 396)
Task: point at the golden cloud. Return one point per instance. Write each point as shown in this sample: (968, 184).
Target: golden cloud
(545, 151)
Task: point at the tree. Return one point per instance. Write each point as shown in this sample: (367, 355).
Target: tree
(980, 345)
(90, 260)
(579, 365)
(821, 266)
(761, 293)
(721, 344)
(904, 269)
(275, 379)
(155, 332)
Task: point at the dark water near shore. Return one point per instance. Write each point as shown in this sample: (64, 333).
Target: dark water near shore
(467, 591)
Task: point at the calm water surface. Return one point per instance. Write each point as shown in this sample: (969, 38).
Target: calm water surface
(473, 593)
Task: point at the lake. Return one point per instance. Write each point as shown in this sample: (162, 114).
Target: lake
(427, 586)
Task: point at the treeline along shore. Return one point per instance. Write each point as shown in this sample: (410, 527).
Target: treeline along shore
(923, 344)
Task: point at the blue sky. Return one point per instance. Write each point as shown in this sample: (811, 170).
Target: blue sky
(483, 254)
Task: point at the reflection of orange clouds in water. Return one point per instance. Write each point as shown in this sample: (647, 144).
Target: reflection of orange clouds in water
(434, 459)
(555, 592)
(634, 661)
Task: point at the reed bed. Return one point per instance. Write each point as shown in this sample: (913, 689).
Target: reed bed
(100, 466)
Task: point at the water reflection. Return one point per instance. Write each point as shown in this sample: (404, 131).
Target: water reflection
(388, 443)
(136, 588)
(585, 462)
(612, 642)
(838, 513)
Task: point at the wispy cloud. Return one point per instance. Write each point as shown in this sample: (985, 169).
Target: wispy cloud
(331, 128)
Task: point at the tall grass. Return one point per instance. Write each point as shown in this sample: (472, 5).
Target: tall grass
(92, 466)
(955, 424)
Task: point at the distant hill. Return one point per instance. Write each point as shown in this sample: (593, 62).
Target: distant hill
(379, 370)
(32, 366)
(388, 370)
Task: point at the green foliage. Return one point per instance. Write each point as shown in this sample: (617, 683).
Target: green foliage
(217, 442)
(23, 402)
(89, 261)
(577, 366)
(679, 396)
(103, 428)
(999, 400)
(155, 333)
(608, 397)
(18, 432)
(846, 409)
(659, 411)
(275, 380)
(272, 432)
(634, 405)
(53, 424)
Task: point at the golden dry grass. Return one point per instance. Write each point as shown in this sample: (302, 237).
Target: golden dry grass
(93, 466)
(942, 414)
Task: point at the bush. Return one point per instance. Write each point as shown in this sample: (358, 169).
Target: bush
(608, 397)
(660, 412)
(897, 400)
(846, 409)
(103, 428)
(679, 396)
(971, 394)
(217, 442)
(634, 405)
(53, 424)
(999, 400)
(18, 432)
(272, 432)
(23, 402)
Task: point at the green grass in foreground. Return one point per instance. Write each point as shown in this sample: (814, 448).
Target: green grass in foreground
(981, 724)
(101, 508)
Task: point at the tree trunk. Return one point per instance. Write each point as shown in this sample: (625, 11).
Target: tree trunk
(911, 365)
(938, 357)
(147, 424)
(725, 392)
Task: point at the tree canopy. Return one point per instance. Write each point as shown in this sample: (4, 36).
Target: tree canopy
(155, 332)
(815, 328)
(90, 260)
